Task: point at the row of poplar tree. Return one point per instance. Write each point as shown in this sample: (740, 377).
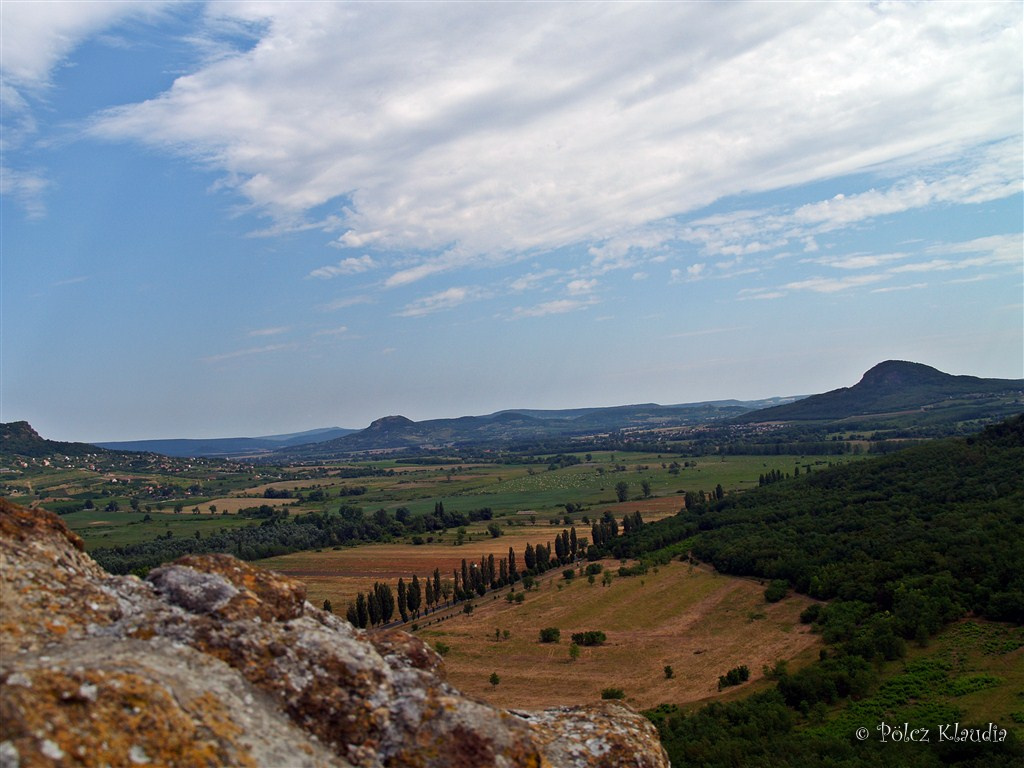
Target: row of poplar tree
(419, 597)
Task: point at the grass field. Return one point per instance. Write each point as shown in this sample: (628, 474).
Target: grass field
(701, 623)
(972, 673)
(115, 529)
(508, 489)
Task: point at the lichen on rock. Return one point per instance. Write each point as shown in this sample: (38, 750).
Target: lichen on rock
(212, 661)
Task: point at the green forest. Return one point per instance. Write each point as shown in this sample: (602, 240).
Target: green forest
(900, 546)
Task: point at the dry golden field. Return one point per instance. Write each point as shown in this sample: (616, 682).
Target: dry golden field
(701, 623)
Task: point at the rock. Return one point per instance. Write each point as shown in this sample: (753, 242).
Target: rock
(212, 661)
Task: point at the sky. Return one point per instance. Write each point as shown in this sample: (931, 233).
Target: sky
(250, 218)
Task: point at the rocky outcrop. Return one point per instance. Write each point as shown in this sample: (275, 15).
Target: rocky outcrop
(213, 662)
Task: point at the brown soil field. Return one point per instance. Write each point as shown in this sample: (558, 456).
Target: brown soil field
(701, 623)
(231, 504)
(339, 574)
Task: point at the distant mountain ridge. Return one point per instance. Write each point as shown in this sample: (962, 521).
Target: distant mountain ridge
(890, 386)
(399, 432)
(225, 447)
(891, 391)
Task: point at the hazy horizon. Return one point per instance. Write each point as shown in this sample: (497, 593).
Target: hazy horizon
(226, 219)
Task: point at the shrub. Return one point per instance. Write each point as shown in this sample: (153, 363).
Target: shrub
(442, 647)
(569, 574)
(613, 693)
(594, 569)
(734, 676)
(592, 637)
(777, 590)
(550, 635)
(810, 614)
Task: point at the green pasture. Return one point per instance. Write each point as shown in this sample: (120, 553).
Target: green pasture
(972, 672)
(115, 529)
(505, 488)
(508, 489)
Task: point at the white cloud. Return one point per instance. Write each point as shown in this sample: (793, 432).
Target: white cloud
(344, 303)
(532, 280)
(25, 187)
(446, 299)
(580, 287)
(276, 331)
(249, 351)
(556, 307)
(484, 131)
(832, 284)
(341, 329)
(350, 266)
(37, 36)
(859, 261)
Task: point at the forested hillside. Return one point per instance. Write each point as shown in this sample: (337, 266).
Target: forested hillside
(900, 546)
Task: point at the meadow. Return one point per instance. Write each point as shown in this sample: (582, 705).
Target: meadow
(515, 491)
(698, 622)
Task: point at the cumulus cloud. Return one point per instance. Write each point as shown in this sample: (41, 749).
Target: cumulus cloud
(475, 133)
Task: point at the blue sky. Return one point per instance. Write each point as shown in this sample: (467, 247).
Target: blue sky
(224, 219)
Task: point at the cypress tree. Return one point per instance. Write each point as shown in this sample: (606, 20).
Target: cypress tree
(513, 572)
(412, 597)
(437, 585)
(373, 606)
(361, 614)
(403, 606)
(530, 558)
(386, 600)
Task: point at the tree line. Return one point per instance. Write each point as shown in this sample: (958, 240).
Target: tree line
(900, 545)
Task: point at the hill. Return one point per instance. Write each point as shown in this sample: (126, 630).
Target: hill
(226, 447)
(508, 426)
(18, 438)
(895, 387)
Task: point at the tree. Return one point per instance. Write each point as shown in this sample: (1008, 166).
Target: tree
(645, 488)
(403, 605)
(530, 558)
(327, 606)
(412, 596)
(494, 529)
(622, 490)
(386, 601)
(362, 615)
(550, 635)
(669, 672)
(574, 652)
(494, 679)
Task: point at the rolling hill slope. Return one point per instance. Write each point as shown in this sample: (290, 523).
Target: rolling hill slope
(897, 386)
